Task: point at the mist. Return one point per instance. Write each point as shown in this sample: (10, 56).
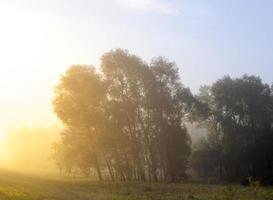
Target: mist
(29, 149)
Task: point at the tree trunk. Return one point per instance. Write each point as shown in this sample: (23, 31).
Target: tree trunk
(110, 169)
(97, 166)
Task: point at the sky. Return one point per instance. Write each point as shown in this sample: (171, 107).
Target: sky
(207, 39)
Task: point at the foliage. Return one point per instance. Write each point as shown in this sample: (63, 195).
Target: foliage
(239, 121)
(126, 122)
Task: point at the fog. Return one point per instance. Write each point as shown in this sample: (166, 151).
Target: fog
(29, 150)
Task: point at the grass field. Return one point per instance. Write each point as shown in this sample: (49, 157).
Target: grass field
(15, 186)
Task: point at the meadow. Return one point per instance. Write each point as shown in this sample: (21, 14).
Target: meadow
(15, 186)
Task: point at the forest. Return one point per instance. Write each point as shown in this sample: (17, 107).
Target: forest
(127, 121)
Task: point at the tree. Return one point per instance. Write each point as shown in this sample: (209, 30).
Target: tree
(124, 75)
(241, 112)
(78, 101)
(207, 156)
(130, 119)
(172, 102)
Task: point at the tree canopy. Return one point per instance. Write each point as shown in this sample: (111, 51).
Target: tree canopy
(239, 123)
(125, 119)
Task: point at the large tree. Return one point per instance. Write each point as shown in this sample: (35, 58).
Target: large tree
(171, 104)
(241, 116)
(78, 103)
(130, 118)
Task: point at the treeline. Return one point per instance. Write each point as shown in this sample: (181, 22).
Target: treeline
(127, 121)
(238, 116)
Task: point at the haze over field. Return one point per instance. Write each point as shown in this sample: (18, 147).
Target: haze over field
(41, 39)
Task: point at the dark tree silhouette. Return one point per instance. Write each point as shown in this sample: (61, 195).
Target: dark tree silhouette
(239, 119)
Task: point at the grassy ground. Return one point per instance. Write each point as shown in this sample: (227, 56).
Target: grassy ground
(21, 187)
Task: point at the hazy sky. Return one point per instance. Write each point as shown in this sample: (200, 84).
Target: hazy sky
(207, 39)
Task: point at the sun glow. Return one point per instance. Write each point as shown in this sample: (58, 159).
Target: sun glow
(36, 48)
(26, 80)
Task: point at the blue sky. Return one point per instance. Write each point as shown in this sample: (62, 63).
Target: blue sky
(207, 39)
